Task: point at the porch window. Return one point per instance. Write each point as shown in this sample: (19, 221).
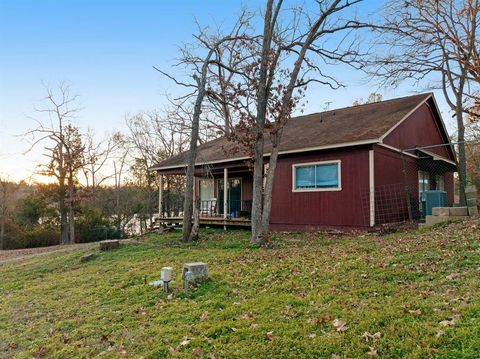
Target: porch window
(319, 176)
(440, 183)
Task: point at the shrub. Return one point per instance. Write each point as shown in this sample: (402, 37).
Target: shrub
(36, 237)
(91, 226)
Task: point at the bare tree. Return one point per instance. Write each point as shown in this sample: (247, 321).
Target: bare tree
(295, 50)
(97, 156)
(64, 151)
(372, 98)
(433, 42)
(201, 67)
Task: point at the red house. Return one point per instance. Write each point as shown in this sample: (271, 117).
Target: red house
(350, 168)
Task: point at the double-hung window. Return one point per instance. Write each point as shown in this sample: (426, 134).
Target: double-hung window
(319, 176)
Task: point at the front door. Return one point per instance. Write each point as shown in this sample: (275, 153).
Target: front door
(234, 196)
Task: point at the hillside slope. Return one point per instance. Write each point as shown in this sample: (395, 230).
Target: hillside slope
(311, 295)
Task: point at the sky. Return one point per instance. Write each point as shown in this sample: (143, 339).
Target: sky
(105, 50)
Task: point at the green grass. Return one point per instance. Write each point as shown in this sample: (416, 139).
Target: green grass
(401, 285)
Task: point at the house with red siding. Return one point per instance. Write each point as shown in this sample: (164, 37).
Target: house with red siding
(349, 168)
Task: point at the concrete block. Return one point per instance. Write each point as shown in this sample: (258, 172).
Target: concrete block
(109, 245)
(199, 270)
(473, 211)
(471, 188)
(472, 202)
(440, 211)
(459, 211)
(433, 220)
(471, 195)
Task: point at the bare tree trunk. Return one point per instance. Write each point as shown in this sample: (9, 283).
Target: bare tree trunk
(188, 201)
(196, 218)
(267, 197)
(63, 214)
(462, 168)
(260, 123)
(192, 154)
(2, 232)
(71, 208)
(3, 213)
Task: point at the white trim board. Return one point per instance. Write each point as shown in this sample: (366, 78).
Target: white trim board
(371, 180)
(308, 149)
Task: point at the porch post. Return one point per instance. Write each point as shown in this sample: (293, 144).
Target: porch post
(225, 193)
(160, 195)
(371, 175)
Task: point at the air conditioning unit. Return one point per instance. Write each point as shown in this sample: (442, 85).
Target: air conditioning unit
(432, 199)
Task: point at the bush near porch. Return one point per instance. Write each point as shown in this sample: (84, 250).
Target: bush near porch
(412, 294)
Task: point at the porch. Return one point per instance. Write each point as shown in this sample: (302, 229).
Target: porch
(219, 204)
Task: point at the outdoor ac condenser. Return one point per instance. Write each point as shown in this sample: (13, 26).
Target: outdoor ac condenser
(432, 199)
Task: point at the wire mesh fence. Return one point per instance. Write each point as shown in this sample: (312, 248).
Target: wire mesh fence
(411, 181)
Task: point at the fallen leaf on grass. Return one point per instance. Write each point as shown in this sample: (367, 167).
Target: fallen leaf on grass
(415, 312)
(340, 325)
(269, 336)
(452, 276)
(311, 336)
(324, 319)
(372, 351)
(247, 316)
(204, 315)
(367, 336)
(198, 352)
(451, 322)
(183, 344)
(440, 332)
(335, 356)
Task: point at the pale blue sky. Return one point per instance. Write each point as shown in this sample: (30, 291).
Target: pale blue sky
(105, 49)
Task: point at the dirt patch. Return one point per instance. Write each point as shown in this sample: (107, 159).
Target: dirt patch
(15, 255)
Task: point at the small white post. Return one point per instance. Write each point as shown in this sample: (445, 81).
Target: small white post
(160, 195)
(225, 195)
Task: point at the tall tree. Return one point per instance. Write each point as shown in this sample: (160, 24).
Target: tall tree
(63, 148)
(435, 43)
(296, 48)
(210, 47)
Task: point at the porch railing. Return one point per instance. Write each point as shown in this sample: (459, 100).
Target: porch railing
(211, 208)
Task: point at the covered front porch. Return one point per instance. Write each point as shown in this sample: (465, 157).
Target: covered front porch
(220, 204)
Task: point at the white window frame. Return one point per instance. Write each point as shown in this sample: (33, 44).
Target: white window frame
(331, 189)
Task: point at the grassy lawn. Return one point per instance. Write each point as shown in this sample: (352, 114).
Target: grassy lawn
(411, 294)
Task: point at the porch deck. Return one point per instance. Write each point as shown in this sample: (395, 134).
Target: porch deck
(207, 221)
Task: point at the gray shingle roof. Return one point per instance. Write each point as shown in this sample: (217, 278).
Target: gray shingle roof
(336, 128)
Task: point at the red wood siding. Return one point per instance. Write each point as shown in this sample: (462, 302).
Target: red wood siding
(419, 129)
(390, 192)
(325, 209)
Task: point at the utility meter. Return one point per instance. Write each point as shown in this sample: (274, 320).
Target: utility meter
(166, 274)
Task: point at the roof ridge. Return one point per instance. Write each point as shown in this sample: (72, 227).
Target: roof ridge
(363, 104)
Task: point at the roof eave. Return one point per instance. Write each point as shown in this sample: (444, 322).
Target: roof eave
(308, 149)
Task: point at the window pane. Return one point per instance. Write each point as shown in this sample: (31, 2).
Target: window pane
(327, 175)
(440, 183)
(305, 177)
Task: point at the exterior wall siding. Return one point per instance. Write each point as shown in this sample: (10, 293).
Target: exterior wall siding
(324, 209)
(419, 129)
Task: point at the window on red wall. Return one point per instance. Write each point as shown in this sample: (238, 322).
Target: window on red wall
(318, 176)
